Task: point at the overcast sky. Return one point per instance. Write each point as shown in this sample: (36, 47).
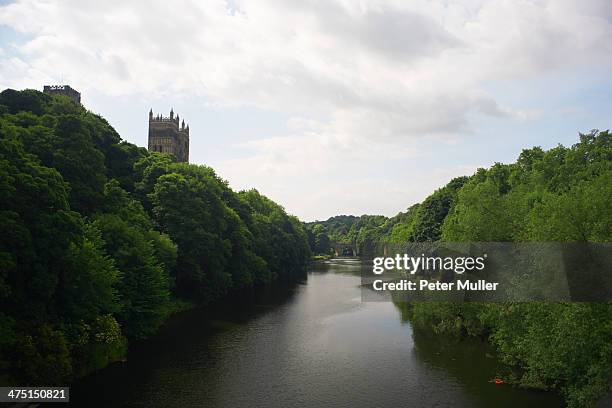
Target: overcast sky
(328, 107)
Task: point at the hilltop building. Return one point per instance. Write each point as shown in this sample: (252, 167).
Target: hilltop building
(65, 90)
(166, 136)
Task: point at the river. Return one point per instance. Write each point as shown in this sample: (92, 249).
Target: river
(315, 344)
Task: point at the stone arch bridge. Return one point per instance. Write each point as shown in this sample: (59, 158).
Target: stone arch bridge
(344, 249)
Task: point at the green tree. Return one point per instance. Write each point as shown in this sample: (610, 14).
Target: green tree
(144, 287)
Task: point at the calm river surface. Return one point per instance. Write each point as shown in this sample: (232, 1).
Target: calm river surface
(314, 345)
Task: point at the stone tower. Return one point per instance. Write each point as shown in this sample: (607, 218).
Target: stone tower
(167, 136)
(65, 90)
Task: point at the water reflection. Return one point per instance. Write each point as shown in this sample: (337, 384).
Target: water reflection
(312, 344)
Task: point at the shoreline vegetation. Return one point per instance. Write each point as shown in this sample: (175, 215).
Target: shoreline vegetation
(320, 258)
(103, 241)
(561, 195)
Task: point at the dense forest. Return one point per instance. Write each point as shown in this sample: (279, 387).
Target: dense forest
(102, 240)
(563, 195)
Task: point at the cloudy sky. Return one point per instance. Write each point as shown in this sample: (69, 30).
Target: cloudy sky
(334, 106)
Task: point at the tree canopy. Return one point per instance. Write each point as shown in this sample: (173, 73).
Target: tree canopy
(102, 240)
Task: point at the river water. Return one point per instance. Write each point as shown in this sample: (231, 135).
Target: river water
(315, 344)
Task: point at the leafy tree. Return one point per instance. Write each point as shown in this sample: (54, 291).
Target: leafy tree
(144, 287)
(54, 271)
(191, 211)
(432, 212)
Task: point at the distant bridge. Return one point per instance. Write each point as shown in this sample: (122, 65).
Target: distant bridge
(343, 249)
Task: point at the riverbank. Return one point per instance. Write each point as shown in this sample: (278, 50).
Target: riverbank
(319, 258)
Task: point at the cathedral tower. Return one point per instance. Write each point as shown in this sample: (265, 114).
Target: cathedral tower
(169, 135)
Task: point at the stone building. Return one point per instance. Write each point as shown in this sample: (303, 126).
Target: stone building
(65, 90)
(167, 136)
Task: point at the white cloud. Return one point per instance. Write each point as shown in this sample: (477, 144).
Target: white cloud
(353, 75)
(308, 55)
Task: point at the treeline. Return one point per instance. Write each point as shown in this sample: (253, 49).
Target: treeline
(102, 240)
(563, 194)
(420, 222)
(344, 229)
